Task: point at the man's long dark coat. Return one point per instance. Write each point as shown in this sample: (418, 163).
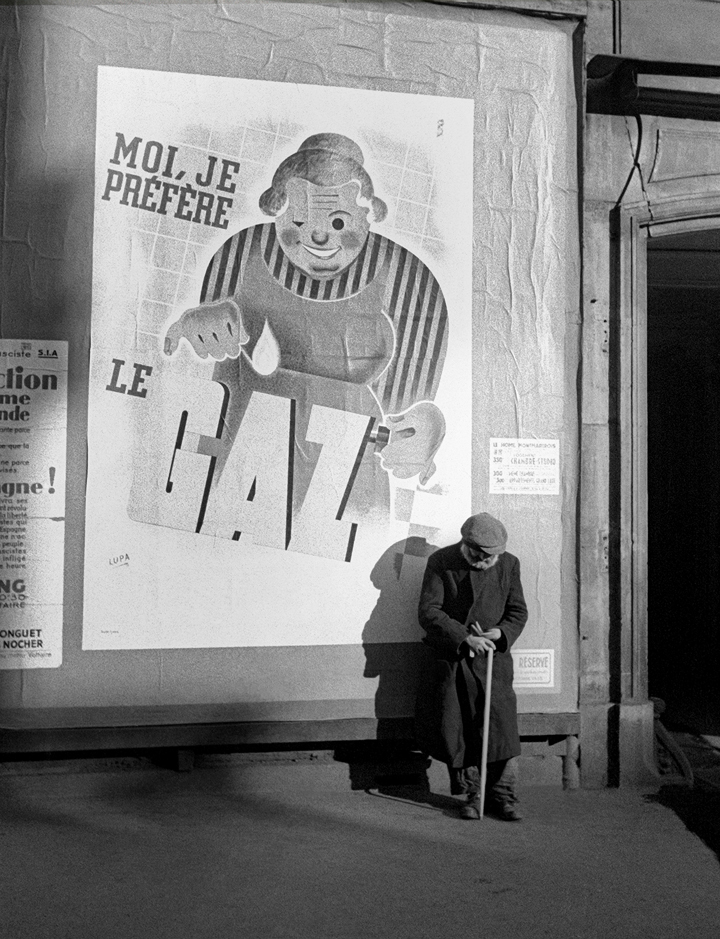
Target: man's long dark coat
(450, 698)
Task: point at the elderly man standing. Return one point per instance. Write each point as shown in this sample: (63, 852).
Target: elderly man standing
(472, 601)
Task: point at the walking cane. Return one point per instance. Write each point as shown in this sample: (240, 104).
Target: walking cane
(486, 720)
(486, 732)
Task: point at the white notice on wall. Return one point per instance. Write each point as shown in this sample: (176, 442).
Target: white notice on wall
(534, 668)
(522, 466)
(33, 425)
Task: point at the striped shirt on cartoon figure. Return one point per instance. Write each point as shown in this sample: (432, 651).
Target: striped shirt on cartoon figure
(316, 307)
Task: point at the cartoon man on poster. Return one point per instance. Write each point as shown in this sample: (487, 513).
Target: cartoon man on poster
(316, 309)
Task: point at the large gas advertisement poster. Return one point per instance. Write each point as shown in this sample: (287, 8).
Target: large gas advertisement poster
(280, 386)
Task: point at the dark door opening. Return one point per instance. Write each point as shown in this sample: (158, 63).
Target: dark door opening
(683, 388)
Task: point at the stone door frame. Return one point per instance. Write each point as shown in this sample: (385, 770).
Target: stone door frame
(630, 726)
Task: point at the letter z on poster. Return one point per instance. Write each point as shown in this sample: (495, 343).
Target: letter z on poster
(280, 380)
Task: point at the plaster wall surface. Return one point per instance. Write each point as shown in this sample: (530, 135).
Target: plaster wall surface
(525, 350)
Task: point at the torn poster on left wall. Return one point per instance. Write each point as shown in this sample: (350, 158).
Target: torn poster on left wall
(33, 444)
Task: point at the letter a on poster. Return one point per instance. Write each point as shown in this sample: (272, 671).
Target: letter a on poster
(33, 438)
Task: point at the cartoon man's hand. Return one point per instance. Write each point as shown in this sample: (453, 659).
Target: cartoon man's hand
(212, 329)
(415, 437)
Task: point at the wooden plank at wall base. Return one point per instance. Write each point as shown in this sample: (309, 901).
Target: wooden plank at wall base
(248, 733)
(269, 712)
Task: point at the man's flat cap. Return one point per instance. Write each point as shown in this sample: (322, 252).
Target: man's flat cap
(485, 532)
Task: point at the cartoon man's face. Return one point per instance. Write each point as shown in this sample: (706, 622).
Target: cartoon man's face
(323, 229)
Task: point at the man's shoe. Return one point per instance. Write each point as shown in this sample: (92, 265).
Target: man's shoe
(508, 812)
(471, 809)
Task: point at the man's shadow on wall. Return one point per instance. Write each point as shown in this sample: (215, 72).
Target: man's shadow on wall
(397, 576)
(395, 765)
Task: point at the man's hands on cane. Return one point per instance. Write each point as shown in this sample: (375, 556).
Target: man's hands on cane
(482, 642)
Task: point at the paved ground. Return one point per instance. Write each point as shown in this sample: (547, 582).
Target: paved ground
(136, 851)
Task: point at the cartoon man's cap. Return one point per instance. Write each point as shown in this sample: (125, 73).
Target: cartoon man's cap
(336, 144)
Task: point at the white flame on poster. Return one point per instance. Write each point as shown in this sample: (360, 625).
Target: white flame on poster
(266, 354)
